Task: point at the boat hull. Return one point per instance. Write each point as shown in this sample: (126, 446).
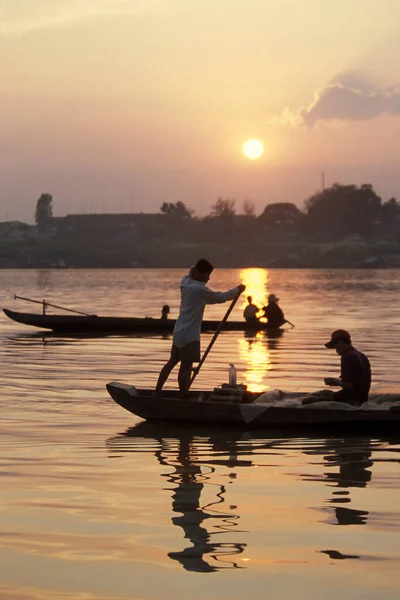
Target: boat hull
(170, 408)
(98, 324)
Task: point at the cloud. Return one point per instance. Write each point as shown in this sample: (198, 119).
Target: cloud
(28, 15)
(348, 97)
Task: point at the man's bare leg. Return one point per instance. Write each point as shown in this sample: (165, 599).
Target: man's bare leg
(164, 374)
(184, 376)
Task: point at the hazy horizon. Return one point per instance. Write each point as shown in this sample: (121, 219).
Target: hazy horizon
(119, 105)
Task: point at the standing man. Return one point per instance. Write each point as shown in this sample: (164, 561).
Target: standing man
(186, 341)
(355, 376)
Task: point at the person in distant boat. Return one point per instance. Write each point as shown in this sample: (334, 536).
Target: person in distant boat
(165, 312)
(355, 375)
(273, 312)
(250, 312)
(186, 338)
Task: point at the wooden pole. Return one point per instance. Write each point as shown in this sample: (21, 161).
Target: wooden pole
(44, 304)
(212, 342)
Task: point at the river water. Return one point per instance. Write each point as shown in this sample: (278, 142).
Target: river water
(98, 505)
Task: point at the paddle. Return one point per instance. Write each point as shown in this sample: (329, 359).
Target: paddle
(216, 334)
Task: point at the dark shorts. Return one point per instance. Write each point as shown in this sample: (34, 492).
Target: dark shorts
(188, 353)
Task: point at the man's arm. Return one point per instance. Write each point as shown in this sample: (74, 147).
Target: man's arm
(338, 381)
(211, 297)
(349, 367)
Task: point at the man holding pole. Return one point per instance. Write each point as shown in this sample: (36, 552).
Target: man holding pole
(186, 340)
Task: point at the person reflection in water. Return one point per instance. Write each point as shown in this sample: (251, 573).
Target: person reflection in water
(190, 472)
(190, 482)
(352, 456)
(352, 459)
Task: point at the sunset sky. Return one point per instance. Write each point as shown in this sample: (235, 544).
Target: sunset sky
(119, 105)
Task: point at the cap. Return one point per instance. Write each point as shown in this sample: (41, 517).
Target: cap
(203, 266)
(338, 334)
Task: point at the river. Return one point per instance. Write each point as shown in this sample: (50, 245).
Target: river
(98, 505)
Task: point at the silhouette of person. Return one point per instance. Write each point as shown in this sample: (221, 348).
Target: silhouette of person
(250, 312)
(165, 312)
(188, 481)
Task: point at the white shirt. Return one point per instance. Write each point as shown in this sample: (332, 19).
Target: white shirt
(194, 297)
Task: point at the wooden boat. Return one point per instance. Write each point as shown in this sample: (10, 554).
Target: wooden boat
(381, 414)
(98, 324)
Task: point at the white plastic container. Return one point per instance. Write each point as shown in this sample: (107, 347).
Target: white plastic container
(232, 375)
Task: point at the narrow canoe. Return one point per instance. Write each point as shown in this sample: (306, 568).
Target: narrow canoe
(94, 323)
(197, 408)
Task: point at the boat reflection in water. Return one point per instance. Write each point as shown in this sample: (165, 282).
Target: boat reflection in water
(194, 455)
(193, 461)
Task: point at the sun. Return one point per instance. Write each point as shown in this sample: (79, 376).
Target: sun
(253, 149)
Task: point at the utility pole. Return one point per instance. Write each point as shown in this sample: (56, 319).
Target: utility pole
(323, 180)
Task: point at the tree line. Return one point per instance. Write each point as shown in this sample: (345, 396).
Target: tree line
(333, 214)
(330, 215)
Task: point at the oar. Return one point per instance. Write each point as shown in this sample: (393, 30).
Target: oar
(216, 334)
(44, 304)
(286, 321)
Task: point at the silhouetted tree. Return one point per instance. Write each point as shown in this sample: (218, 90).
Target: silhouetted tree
(343, 210)
(44, 210)
(249, 208)
(281, 214)
(178, 210)
(391, 218)
(224, 207)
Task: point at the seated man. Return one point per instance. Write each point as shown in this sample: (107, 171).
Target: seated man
(273, 312)
(250, 312)
(165, 312)
(355, 376)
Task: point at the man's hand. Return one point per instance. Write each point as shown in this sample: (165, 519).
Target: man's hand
(241, 288)
(333, 381)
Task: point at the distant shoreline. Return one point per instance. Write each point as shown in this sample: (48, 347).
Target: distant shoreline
(219, 266)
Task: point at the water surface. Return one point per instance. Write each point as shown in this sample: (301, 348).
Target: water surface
(97, 505)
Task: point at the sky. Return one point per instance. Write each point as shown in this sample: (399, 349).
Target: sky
(120, 105)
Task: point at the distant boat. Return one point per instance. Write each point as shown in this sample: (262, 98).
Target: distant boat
(97, 324)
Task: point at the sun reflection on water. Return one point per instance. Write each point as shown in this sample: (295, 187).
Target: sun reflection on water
(253, 351)
(257, 358)
(256, 282)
